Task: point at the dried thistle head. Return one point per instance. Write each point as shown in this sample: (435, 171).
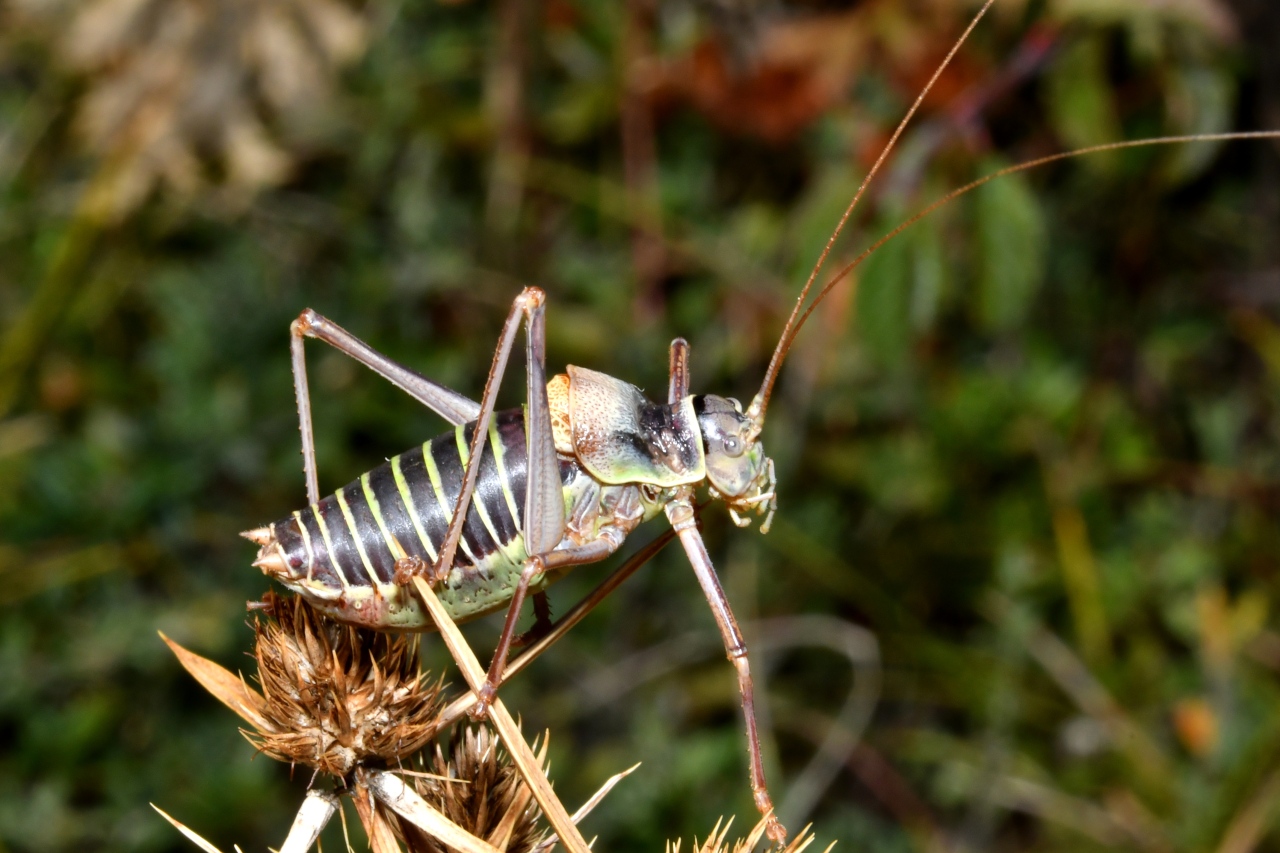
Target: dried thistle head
(716, 842)
(333, 697)
(186, 94)
(479, 788)
(339, 696)
(345, 701)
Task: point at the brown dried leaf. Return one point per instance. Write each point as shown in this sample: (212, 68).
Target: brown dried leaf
(797, 71)
(192, 95)
(226, 687)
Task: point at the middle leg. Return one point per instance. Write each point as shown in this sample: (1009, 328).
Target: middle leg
(542, 623)
(611, 538)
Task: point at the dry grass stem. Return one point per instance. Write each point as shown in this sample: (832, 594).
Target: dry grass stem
(587, 807)
(495, 803)
(440, 832)
(377, 824)
(317, 809)
(190, 834)
(501, 719)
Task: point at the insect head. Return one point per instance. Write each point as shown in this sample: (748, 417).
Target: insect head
(739, 472)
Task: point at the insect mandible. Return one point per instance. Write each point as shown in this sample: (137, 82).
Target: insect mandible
(508, 501)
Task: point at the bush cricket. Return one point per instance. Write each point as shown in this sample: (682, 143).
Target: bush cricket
(508, 501)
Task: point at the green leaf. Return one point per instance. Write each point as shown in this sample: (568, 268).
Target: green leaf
(1011, 252)
(1200, 99)
(817, 213)
(1081, 107)
(902, 289)
(884, 303)
(928, 273)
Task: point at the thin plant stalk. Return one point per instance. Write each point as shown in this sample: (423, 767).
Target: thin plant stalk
(501, 718)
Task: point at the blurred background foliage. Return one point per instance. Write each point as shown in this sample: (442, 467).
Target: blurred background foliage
(1022, 591)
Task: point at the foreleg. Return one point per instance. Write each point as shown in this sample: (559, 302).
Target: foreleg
(680, 513)
(544, 504)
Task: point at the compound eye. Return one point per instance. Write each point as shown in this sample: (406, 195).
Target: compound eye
(732, 446)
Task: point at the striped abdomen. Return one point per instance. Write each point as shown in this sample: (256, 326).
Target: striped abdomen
(341, 553)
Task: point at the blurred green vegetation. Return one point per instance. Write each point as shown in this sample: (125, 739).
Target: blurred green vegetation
(1027, 467)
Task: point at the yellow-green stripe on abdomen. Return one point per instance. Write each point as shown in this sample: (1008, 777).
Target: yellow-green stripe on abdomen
(400, 507)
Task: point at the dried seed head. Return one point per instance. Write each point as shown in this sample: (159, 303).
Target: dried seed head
(346, 700)
(337, 696)
(479, 788)
(716, 841)
(184, 94)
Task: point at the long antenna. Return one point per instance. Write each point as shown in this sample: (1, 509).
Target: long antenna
(758, 405)
(1009, 170)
